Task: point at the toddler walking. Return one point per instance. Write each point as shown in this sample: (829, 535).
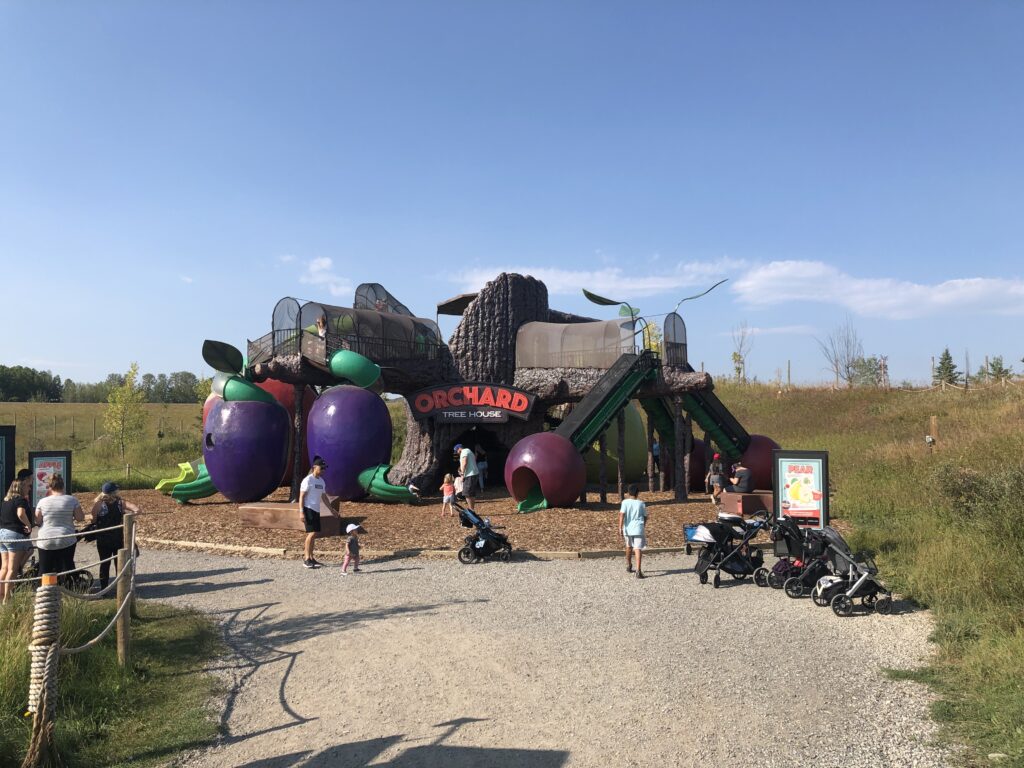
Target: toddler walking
(351, 549)
(448, 491)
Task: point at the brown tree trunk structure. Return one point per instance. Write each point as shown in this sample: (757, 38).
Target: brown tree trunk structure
(300, 428)
(678, 477)
(620, 451)
(651, 477)
(602, 477)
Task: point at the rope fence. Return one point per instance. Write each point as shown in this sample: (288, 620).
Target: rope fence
(45, 648)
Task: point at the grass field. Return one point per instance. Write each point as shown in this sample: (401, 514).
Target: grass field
(109, 716)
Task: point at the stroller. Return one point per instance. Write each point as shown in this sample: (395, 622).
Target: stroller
(796, 551)
(726, 548)
(854, 576)
(485, 543)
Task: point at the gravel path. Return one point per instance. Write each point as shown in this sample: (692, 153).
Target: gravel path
(565, 663)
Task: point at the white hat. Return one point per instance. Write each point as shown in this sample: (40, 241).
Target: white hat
(352, 527)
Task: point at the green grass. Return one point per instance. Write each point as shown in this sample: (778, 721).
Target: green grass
(946, 525)
(106, 715)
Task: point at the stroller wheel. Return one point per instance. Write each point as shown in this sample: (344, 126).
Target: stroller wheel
(717, 581)
(739, 576)
(689, 549)
(773, 580)
(868, 601)
(884, 605)
(761, 577)
(820, 598)
(842, 605)
(505, 555)
(704, 578)
(794, 587)
(466, 556)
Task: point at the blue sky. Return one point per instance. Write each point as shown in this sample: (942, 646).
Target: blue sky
(168, 171)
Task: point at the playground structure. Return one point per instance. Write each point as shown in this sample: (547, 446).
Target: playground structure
(509, 348)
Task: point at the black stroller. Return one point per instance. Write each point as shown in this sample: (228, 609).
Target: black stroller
(796, 550)
(486, 543)
(854, 577)
(726, 548)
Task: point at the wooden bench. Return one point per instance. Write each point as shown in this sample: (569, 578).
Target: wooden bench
(285, 516)
(747, 504)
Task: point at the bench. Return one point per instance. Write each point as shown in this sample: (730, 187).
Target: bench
(285, 516)
(747, 504)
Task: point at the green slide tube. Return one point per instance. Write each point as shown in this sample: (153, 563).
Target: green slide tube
(186, 474)
(199, 488)
(534, 501)
(360, 370)
(374, 482)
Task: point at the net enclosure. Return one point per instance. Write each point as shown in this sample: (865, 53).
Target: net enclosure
(573, 345)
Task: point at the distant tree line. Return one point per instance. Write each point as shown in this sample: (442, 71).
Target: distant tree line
(22, 384)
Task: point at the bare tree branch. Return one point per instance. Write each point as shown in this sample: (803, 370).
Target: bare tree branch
(742, 340)
(842, 349)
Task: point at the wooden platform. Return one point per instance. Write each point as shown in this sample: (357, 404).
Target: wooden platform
(747, 503)
(286, 516)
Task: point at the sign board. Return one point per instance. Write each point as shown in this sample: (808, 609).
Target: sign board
(800, 485)
(471, 402)
(44, 465)
(7, 470)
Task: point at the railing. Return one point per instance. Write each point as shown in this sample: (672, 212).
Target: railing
(601, 358)
(45, 648)
(381, 351)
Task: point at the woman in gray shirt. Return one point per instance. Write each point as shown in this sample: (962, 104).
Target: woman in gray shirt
(57, 513)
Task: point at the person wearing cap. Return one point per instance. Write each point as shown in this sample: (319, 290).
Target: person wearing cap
(310, 491)
(470, 473)
(715, 479)
(351, 548)
(107, 511)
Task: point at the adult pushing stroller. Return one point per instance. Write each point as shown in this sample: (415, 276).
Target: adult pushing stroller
(854, 577)
(486, 543)
(726, 548)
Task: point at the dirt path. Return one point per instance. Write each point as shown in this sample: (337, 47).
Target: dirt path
(549, 664)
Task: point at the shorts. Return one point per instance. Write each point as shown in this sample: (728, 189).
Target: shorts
(717, 481)
(311, 519)
(448, 499)
(12, 541)
(636, 542)
(470, 486)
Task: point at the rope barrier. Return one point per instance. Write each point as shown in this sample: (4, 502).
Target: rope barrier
(76, 534)
(105, 632)
(102, 593)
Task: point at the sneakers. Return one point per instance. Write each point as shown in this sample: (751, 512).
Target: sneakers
(344, 573)
(640, 575)
(629, 569)
(310, 564)
(316, 563)
(356, 570)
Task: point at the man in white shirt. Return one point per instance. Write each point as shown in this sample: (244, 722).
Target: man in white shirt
(310, 491)
(470, 473)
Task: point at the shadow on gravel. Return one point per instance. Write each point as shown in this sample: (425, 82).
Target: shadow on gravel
(148, 578)
(361, 753)
(674, 572)
(255, 642)
(160, 591)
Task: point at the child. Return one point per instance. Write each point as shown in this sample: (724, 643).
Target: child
(351, 549)
(632, 523)
(448, 491)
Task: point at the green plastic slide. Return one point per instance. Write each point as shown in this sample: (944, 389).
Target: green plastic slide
(374, 481)
(187, 473)
(360, 370)
(534, 501)
(199, 488)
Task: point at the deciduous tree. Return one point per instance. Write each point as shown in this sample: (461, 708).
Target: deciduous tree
(125, 418)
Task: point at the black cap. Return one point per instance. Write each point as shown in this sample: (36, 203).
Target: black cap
(319, 462)
(24, 473)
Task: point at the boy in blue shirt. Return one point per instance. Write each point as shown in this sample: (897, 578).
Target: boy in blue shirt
(632, 519)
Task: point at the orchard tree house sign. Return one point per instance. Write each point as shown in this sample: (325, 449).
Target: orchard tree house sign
(471, 402)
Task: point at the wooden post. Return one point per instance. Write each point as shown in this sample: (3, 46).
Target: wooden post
(54, 426)
(789, 374)
(72, 424)
(94, 428)
(933, 427)
(127, 471)
(651, 479)
(33, 425)
(933, 369)
(602, 450)
(300, 426)
(124, 625)
(620, 452)
(678, 478)
(129, 537)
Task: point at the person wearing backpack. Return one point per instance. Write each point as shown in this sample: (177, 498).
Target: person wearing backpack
(108, 510)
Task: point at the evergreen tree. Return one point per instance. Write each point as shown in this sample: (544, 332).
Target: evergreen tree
(997, 371)
(945, 371)
(125, 418)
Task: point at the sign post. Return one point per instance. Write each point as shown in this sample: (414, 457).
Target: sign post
(800, 485)
(44, 465)
(7, 457)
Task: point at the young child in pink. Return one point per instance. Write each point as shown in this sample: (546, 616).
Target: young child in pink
(448, 491)
(351, 549)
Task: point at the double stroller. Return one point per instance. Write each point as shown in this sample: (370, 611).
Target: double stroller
(486, 543)
(727, 548)
(854, 576)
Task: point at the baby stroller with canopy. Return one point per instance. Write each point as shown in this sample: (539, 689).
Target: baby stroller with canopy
(797, 551)
(486, 543)
(727, 548)
(854, 576)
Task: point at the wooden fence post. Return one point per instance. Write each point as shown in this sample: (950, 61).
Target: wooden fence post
(129, 539)
(602, 449)
(678, 478)
(124, 622)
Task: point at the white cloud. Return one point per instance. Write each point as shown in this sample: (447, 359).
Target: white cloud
(287, 258)
(614, 282)
(320, 273)
(781, 282)
(186, 279)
